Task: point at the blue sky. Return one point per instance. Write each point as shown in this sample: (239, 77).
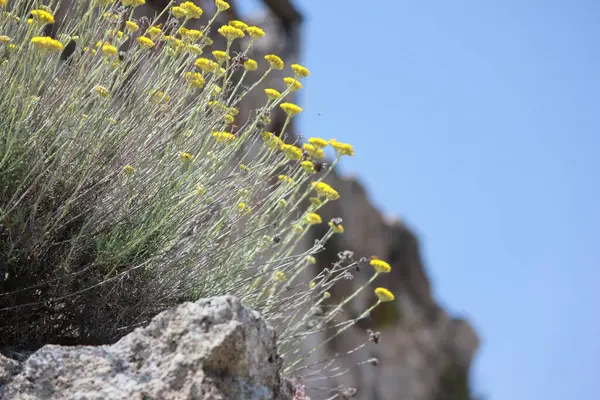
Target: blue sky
(477, 123)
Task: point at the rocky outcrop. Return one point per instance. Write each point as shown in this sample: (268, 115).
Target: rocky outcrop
(211, 349)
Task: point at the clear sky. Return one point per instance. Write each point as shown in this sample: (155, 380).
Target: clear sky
(478, 123)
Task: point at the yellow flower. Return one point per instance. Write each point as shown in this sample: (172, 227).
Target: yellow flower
(231, 33)
(42, 17)
(337, 228)
(325, 190)
(233, 111)
(132, 26)
(128, 169)
(2, 3)
(223, 137)
(200, 190)
(47, 43)
(316, 202)
(279, 276)
(283, 203)
(318, 143)
(229, 118)
(222, 5)
(194, 49)
(326, 295)
(313, 219)
(313, 151)
(178, 12)
(238, 24)
(185, 157)
(311, 260)
(297, 228)
(154, 32)
(195, 79)
(4, 39)
(291, 152)
(285, 179)
(206, 65)
(220, 56)
(133, 3)
(192, 10)
(342, 149)
(300, 71)
(109, 49)
(313, 283)
(255, 32)
(243, 208)
(272, 94)
(294, 84)
(384, 295)
(380, 266)
(191, 35)
(271, 141)
(308, 166)
(159, 96)
(102, 91)
(145, 42)
(250, 65)
(290, 109)
(274, 61)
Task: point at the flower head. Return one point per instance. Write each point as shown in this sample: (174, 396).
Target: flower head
(185, 157)
(272, 94)
(220, 56)
(222, 5)
(300, 71)
(192, 10)
(308, 166)
(133, 3)
(238, 24)
(109, 49)
(318, 143)
(243, 208)
(145, 42)
(290, 109)
(206, 65)
(313, 151)
(336, 227)
(4, 39)
(195, 79)
(42, 17)
(223, 137)
(132, 26)
(274, 61)
(102, 91)
(129, 169)
(255, 32)
(154, 32)
(313, 219)
(384, 295)
(380, 266)
(190, 35)
(285, 179)
(291, 152)
(342, 149)
(250, 65)
(311, 260)
(294, 84)
(231, 32)
(271, 141)
(47, 43)
(178, 12)
(325, 190)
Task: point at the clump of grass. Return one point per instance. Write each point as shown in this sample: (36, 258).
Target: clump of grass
(129, 184)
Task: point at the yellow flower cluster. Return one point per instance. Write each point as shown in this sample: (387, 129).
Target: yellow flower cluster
(271, 141)
(191, 10)
(47, 43)
(145, 42)
(250, 65)
(342, 149)
(380, 266)
(222, 5)
(290, 109)
(42, 17)
(314, 152)
(274, 61)
(231, 33)
(223, 137)
(324, 190)
(133, 3)
(293, 84)
(206, 65)
(313, 219)
(272, 94)
(291, 152)
(337, 228)
(384, 295)
(195, 79)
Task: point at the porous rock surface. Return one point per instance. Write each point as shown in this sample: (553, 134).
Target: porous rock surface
(211, 349)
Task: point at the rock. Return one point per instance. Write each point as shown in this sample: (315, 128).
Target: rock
(211, 349)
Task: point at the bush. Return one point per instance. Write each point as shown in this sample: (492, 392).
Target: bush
(126, 187)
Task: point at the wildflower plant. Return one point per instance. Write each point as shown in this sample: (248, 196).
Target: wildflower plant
(125, 189)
